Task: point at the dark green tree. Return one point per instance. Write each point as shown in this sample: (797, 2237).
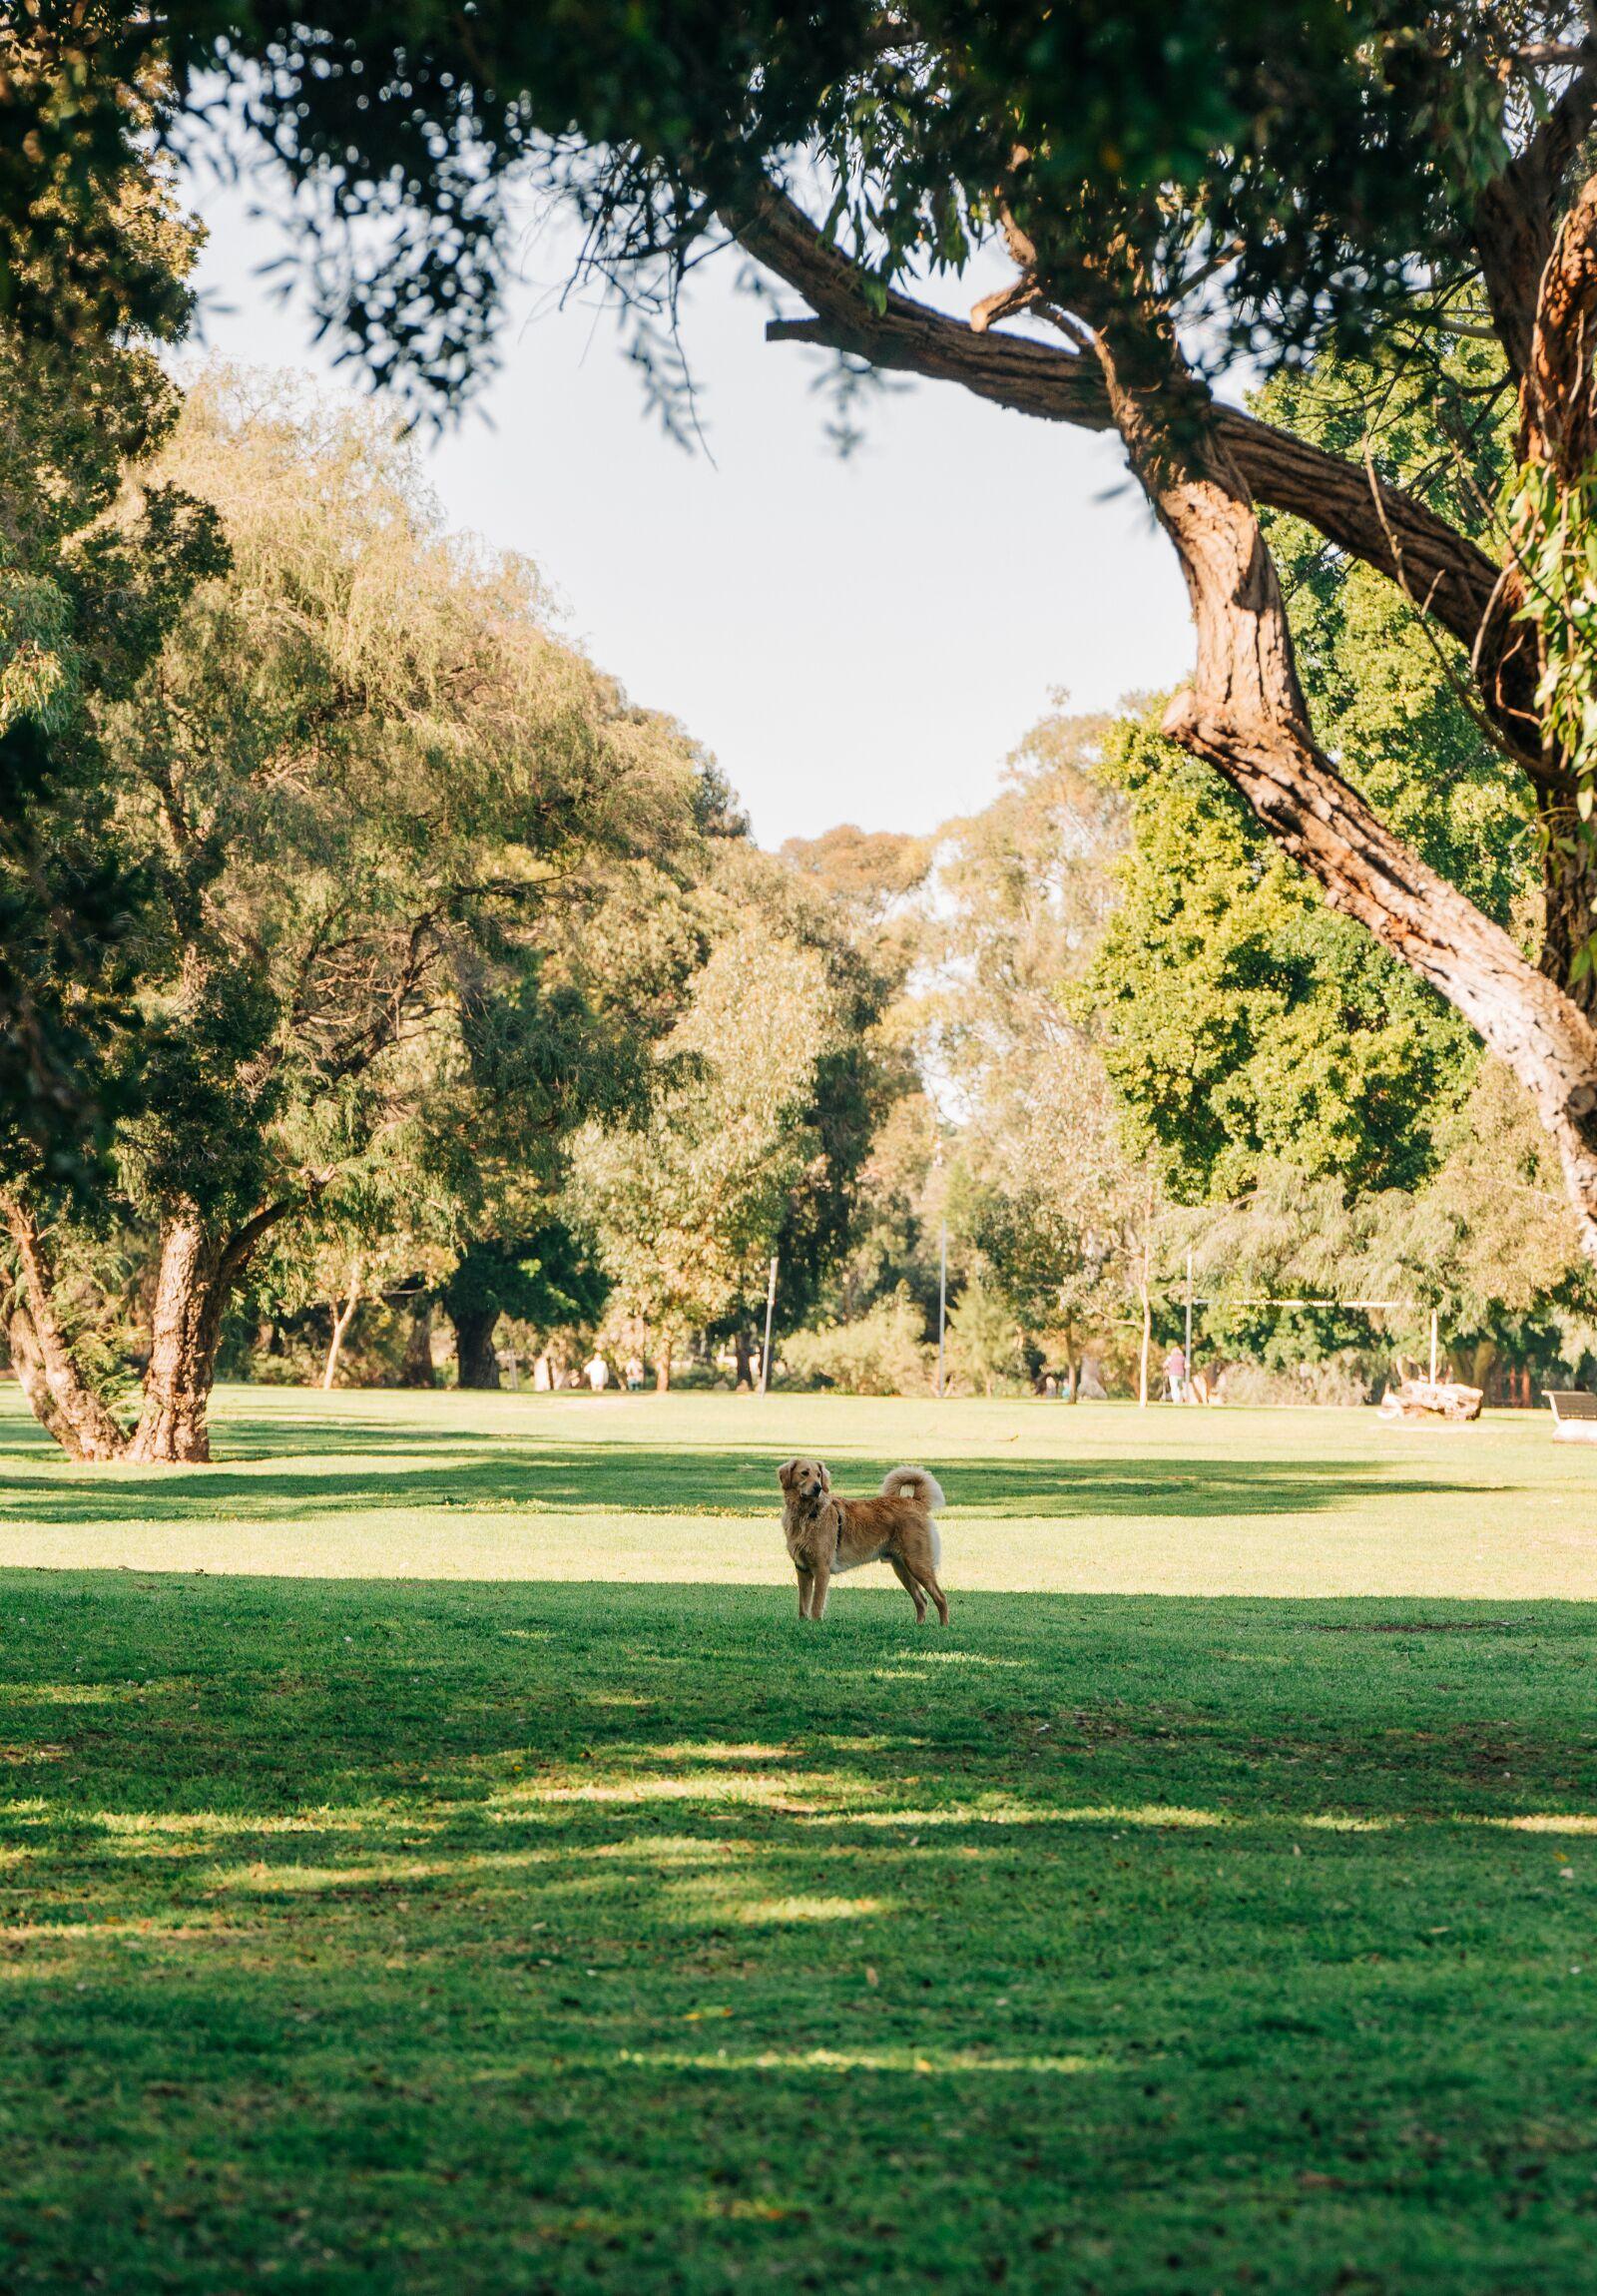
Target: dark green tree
(547, 1278)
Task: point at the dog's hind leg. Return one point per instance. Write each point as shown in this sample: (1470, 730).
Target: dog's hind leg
(806, 1581)
(911, 1586)
(929, 1580)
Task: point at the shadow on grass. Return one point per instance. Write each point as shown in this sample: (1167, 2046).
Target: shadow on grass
(546, 1927)
(615, 1478)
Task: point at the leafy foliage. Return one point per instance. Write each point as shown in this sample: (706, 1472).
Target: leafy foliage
(98, 553)
(1246, 1022)
(686, 1209)
(1243, 1022)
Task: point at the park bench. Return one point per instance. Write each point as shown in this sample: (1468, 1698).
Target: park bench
(1574, 1415)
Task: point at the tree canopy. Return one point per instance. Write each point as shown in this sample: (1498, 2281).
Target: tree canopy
(1173, 184)
(369, 788)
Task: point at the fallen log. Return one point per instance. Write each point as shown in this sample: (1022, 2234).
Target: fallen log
(1431, 1399)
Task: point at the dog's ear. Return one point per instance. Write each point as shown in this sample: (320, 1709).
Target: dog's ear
(826, 1479)
(786, 1472)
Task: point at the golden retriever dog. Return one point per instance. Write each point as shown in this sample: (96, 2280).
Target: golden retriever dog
(827, 1534)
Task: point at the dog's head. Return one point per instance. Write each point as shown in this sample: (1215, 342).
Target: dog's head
(804, 1481)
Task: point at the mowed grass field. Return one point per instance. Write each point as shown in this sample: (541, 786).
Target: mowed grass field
(434, 1856)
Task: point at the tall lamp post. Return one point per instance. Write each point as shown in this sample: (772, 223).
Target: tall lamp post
(770, 1309)
(942, 1303)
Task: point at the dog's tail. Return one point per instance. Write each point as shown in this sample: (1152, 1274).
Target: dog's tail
(914, 1482)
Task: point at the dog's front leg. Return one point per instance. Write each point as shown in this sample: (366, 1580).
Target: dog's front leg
(806, 1581)
(818, 1590)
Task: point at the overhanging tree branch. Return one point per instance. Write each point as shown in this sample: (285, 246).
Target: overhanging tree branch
(1457, 579)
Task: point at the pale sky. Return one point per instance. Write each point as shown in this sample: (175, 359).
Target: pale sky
(855, 639)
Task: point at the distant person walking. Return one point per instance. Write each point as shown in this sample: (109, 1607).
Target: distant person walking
(1176, 1374)
(633, 1373)
(597, 1372)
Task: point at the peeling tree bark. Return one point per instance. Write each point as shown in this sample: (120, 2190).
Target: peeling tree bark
(197, 1271)
(185, 1325)
(196, 1275)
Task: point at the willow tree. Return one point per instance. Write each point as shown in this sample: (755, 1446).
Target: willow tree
(366, 784)
(1174, 182)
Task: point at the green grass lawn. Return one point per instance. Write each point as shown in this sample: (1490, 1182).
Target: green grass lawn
(432, 1855)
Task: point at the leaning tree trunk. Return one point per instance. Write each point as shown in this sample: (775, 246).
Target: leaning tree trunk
(193, 1280)
(476, 1363)
(1246, 714)
(1201, 464)
(196, 1272)
(344, 1315)
(47, 1374)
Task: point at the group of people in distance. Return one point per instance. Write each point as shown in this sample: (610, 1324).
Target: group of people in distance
(595, 1373)
(1182, 1385)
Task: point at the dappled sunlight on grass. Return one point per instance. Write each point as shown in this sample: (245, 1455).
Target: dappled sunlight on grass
(1546, 1822)
(965, 1658)
(708, 1751)
(830, 2061)
(706, 1898)
(135, 1826)
(723, 1786)
(632, 1940)
(66, 1693)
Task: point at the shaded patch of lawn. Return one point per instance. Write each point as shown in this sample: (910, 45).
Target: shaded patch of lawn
(575, 1938)
(617, 1478)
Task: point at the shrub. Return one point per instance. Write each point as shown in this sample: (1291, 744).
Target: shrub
(1339, 1379)
(883, 1354)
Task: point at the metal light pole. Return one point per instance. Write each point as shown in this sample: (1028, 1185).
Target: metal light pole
(1189, 1310)
(770, 1309)
(943, 1304)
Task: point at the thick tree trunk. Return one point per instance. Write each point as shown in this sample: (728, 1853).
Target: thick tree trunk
(194, 1275)
(415, 1369)
(64, 1407)
(746, 1348)
(663, 1363)
(52, 1384)
(475, 1360)
(1244, 712)
(193, 1278)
